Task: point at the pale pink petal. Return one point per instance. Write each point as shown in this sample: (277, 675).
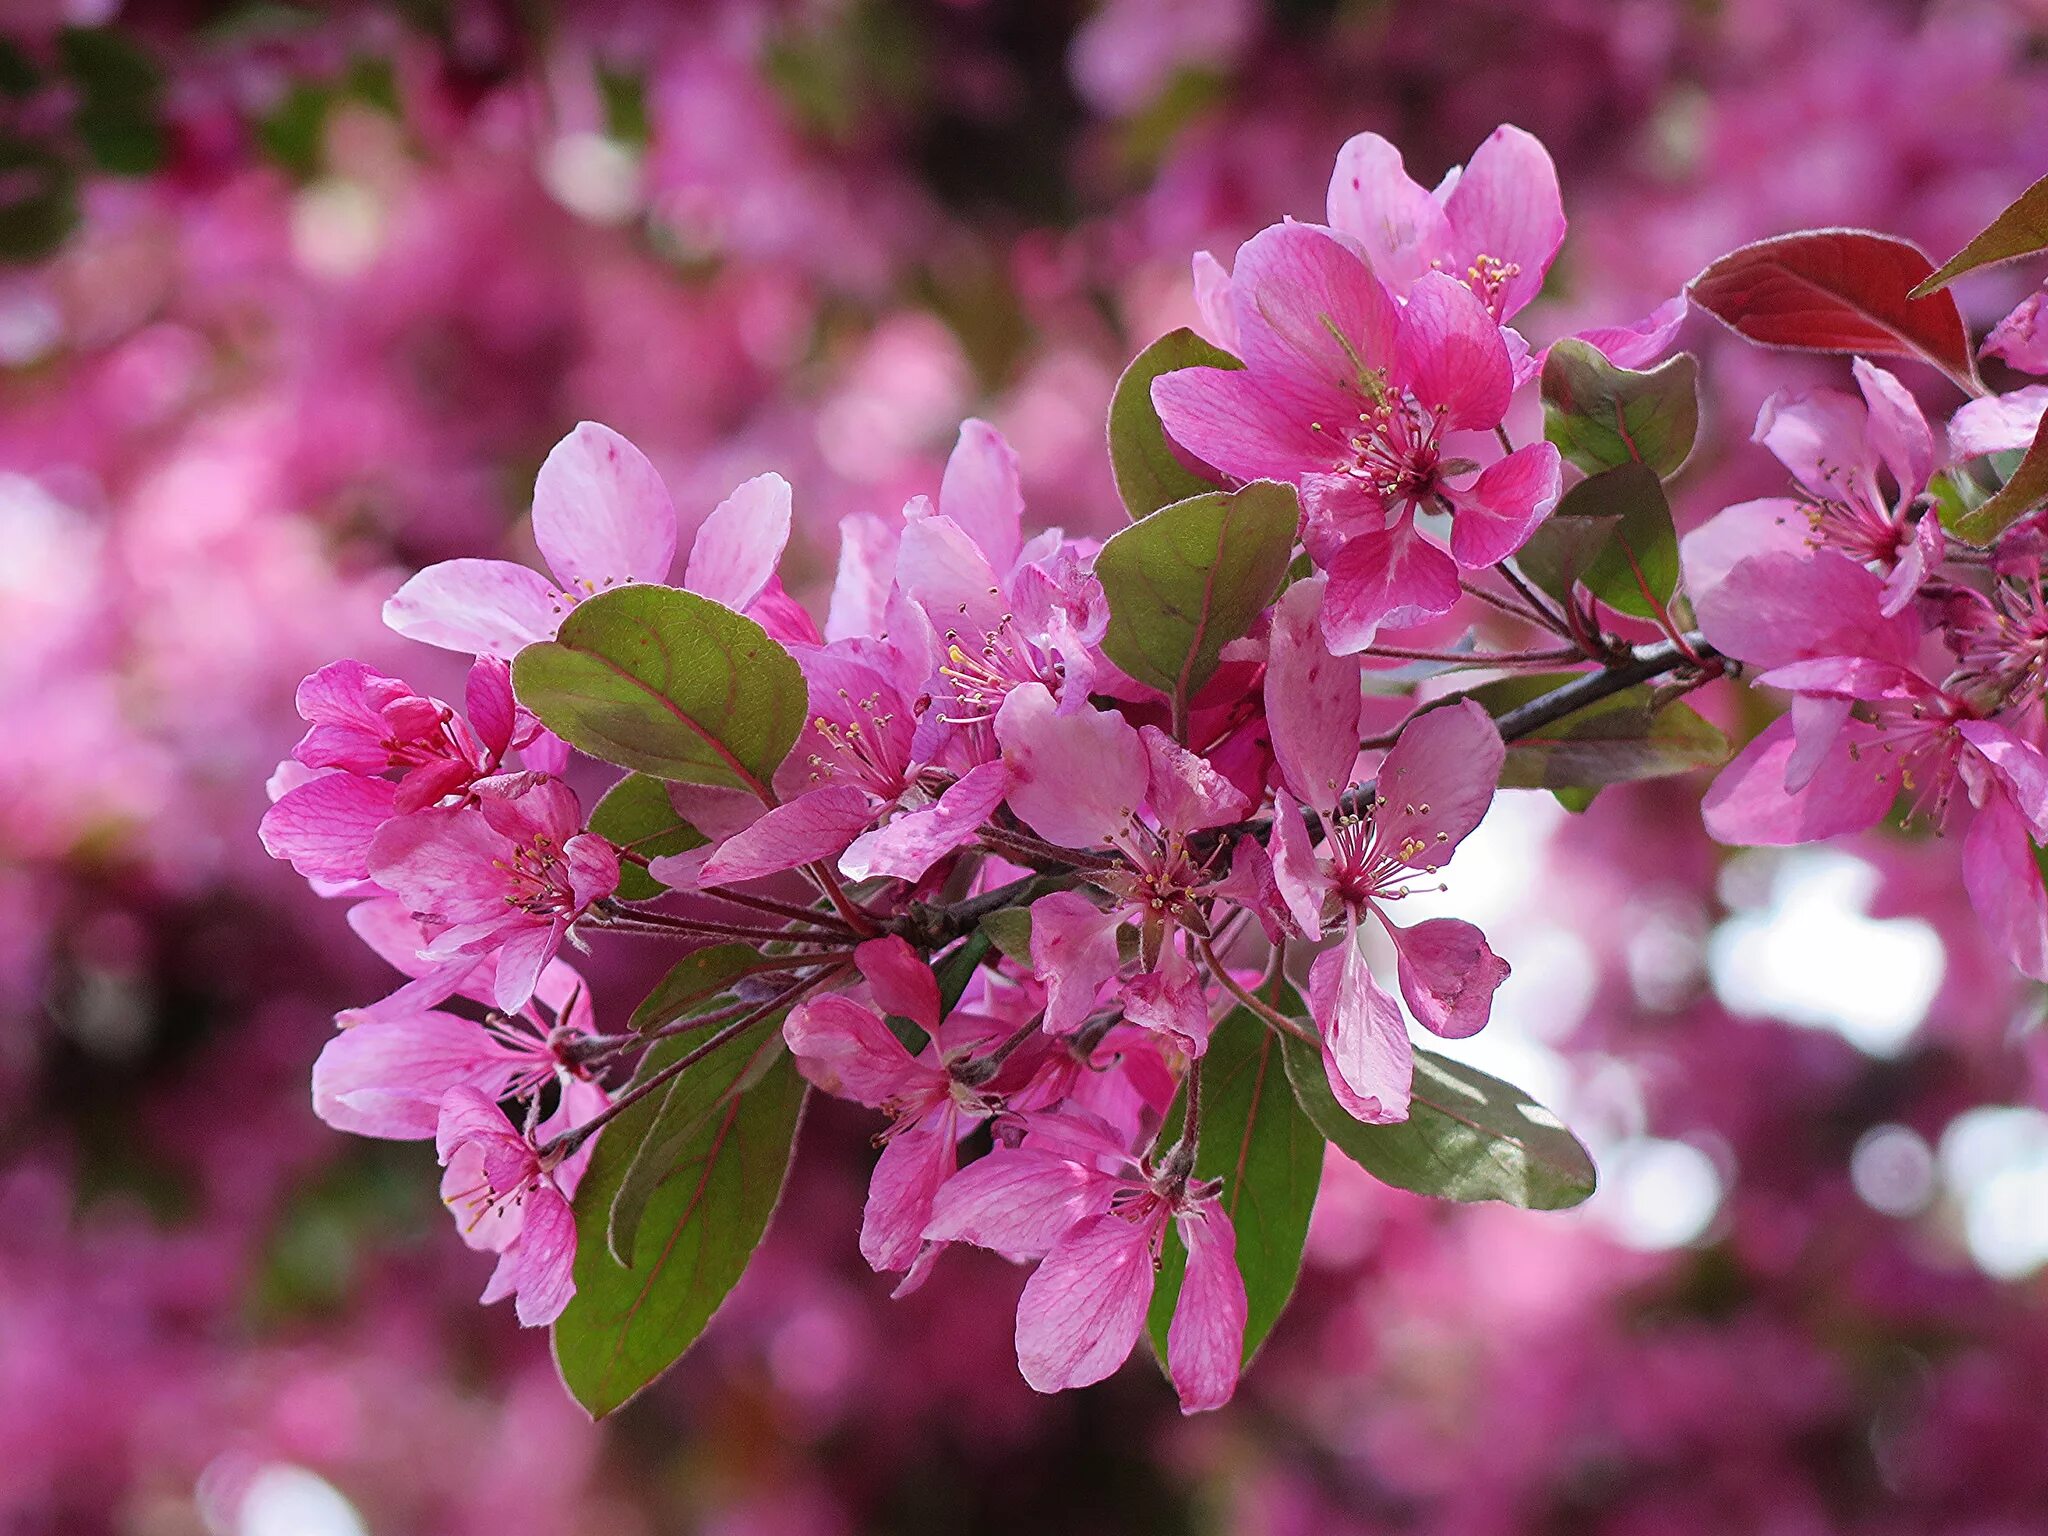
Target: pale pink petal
(1452, 356)
(814, 826)
(1819, 435)
(481, 607)
(1018, 1201)
(1212, 301)
(740, 543)
(387, 1077)
(981, 492)
(326, 825)
(601, 515)
(1919, 558)
(522, 956)
(915, 841)
(1312, 699)
(1393, 578)
(1076, 778)
(1773, 525)
(1641, 344)
(1778, 608)
(1297, 872)
(1505, 205)
(914, 1163)
(1437, 782)
(2019, 764)
(1373, 200)
(1448, 975)
(867, 570)
(2021, 338)
(943, 569)
(1749, 806)
(1073, 951)
(1998, 423)
(1898, 433)
(1498, 511)
(847, 1050)
(1817, 720)
(1366, 1053)
(1083, 1306)
(1205, 1341)
(1187, 795)
(902, 983)
(544, 1272)
(2004, 884)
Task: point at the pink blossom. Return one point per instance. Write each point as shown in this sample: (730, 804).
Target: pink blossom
(2021, 338)
(1432, 789)
(1071, 1195)
(509, 874)
(1351, 395)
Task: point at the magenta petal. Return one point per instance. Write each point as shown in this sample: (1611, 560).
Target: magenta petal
(481, 607)
(1170, 1001)
(1373, 200)
(1498, 511)
(1452, 356)
(914, 1163)
(1083, 1306)
(1186, 793)
(1779, 608)
(1438, 780)
(1309, 313)
(1298, 874)
(1205, 1341)
(1448, 975)
(1232, 419)
(1771, 525)
(902, 983)
(1073, 952)
(1018, 1201)
(1749, 805)
(601, 515)
(1918, 559)
(1393, 578)
(916, 840)
(544, 1262)
(817, 825)
(2020, 764)
(522, 956)
(1366, 1053)
(847, 1050)
(982, 493)
(1312, 699)
(1076, 778)
(325, 826)
(740, 543)
(2004, 884)
(1506, 205)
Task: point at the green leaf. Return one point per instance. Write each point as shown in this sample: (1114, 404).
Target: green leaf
(1616, 740)
(1189, 579)
(1149, 474)
(120, 99)
(1597, 526)
(693, 980)
(957, 969)
(1010, 931)
(1269, 1157)
(2025, 489)
(669, 683)
(628, 1324)
(637, 816)
(1467, 1137)
(38, 200)
(2022, 230)
(1601, 416)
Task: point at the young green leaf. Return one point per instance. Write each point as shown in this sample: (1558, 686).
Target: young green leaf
(627, 1324)
(637, 816)
(1149, 473)
(2025, 489)
(957, 969)
(669, 683)
(1601, 416)
(693, 980)
(1190, 578)
(1611, 533)
(1010, 931)
(1616, 740)
(1269, 1157)
(2022, 230)
(1467, 1137)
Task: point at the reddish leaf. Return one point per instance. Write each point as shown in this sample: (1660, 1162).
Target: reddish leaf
(1837, 290)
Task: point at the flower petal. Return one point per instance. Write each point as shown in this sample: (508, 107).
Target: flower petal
(912, 843)
(1448, 975)
(1312, 699)
(1073, 952)
(1205, 1341)
(981, 492)
(813, 826)
(601, 515)
(740, 543)
(1083, 1307)
(1076, 778)
(480, 607)
(1366, 1052)
(1498, 511)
